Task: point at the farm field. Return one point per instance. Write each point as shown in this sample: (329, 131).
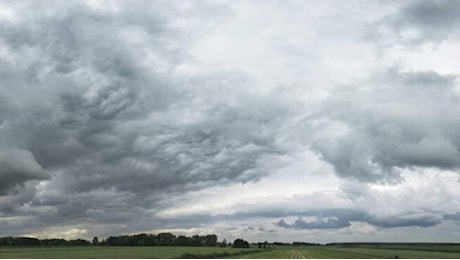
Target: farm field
(119, 252)
(281, 252)
(387, 252)
(302, 253)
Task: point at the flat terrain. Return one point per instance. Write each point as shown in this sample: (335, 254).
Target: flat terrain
(120, 252)
(280, 252)
(387, 252)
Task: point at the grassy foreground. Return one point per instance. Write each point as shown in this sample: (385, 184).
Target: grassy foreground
(387, 252)
(121, 252)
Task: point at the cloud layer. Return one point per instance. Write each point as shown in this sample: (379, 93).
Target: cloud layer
(388, 122)
(154, 115)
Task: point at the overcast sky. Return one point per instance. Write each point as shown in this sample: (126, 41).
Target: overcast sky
(317, 121)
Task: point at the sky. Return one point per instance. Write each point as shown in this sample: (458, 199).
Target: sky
(316, 121)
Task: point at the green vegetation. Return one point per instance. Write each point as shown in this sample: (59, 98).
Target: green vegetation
(302, 252)
(162, 239)
(167, 245)
(357, 251)
(240, 243)
(387, 252)
(395, 252)
(120, 252)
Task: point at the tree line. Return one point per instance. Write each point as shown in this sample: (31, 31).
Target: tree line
(161, 239)
(28, 241)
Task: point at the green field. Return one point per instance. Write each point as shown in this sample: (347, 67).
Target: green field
(120, 252)
(388, 252)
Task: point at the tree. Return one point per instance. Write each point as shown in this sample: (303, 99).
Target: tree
(240, 243)
(210, 240)
(95, 241)
(196, 240)
(182, 241)
(166, 239)
(79, 242)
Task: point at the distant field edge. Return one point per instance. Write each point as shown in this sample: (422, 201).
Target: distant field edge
(122, 252)
(224, 254)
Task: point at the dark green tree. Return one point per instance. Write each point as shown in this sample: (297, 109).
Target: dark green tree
(182, 241)
(95, 241)
(224, 243)
(196, 240)
(166, 239)
(210, 240)
(240, 243)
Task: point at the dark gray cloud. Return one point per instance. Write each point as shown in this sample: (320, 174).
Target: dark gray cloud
(93, 110)
(418, 22)
(455, 217)
(330, 223)
(396, 120)
(332, 218)
(424, 220)
(327, 219)
(18, 167)
(282, 223)
(108, 115)
(342, 218)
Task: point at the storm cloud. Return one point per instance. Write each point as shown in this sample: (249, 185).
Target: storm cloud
(91, 109)
(207, 116)
(391, 121)
(342, 218)
(420, 22)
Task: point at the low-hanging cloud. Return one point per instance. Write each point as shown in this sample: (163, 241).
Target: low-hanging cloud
(342, 218)
(370, 130)
(16, 168)
(330, 223)
(419, 22)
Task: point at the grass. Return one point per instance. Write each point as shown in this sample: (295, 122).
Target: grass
(420, 247)
(406, 252)
(118, 252)
(302, 252)
(337, 252)
(367, 252)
